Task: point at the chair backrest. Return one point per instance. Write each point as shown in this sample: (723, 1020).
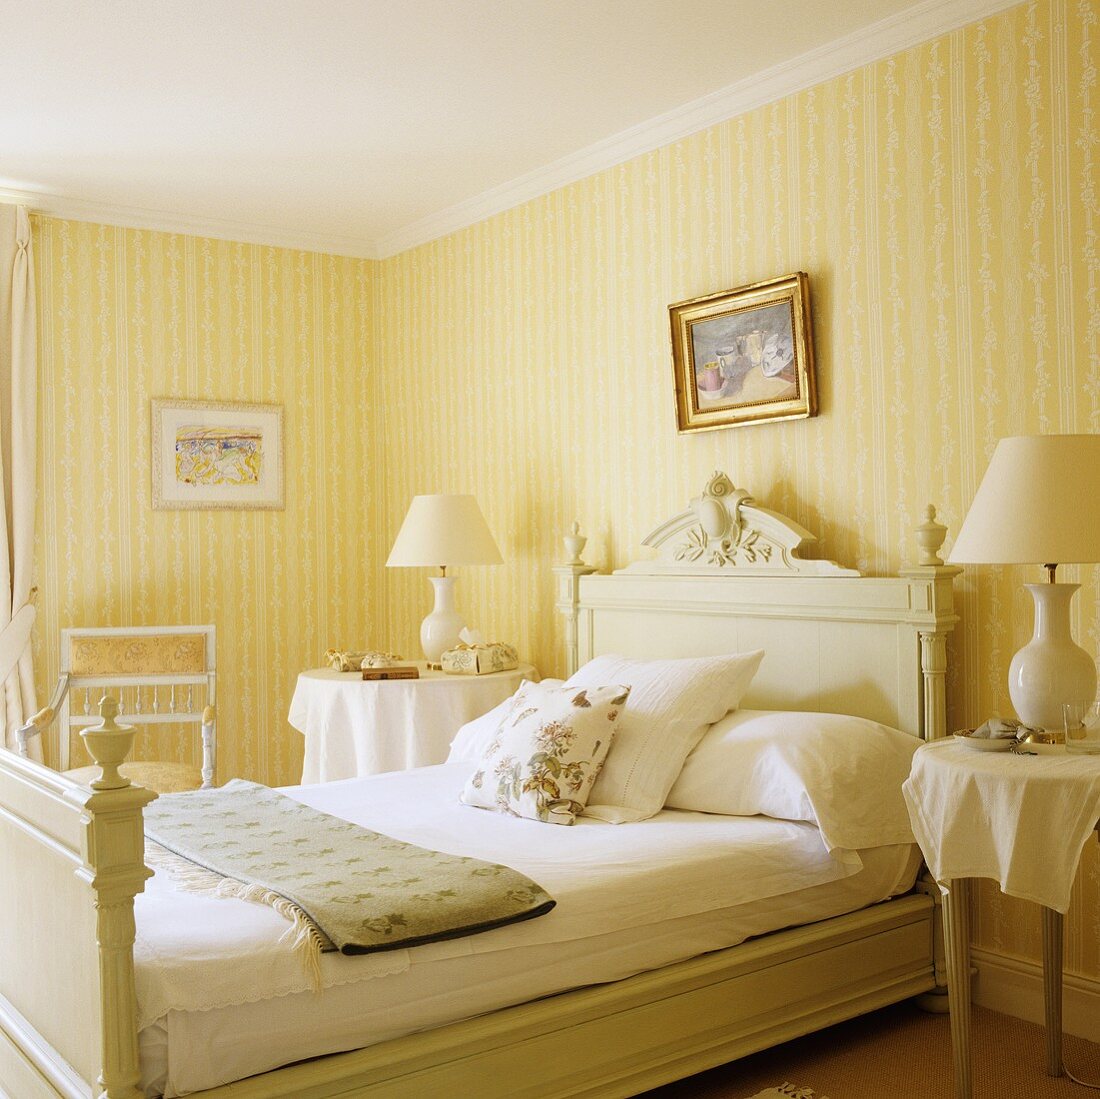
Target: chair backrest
(164, 675)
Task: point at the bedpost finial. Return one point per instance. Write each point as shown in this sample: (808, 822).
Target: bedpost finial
(574, 544)
(109, 744)
(930, 537)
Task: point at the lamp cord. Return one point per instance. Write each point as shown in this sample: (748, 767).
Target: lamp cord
(1083, 1083)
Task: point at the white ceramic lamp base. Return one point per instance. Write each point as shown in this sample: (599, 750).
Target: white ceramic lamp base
(440, 630)
(1051, 668)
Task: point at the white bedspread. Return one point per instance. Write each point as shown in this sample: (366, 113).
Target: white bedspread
(221, 999)
(195, 952)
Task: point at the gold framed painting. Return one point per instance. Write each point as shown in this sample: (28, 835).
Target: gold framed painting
(744, 356)
(217, 454)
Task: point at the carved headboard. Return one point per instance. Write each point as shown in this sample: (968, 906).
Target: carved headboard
(724, 530)
(728, 576)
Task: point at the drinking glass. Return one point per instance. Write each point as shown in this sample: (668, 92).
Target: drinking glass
(1082, 723)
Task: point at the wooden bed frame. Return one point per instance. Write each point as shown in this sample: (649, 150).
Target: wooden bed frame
(727, 576)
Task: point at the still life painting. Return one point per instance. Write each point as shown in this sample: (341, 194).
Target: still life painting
(217, 455)
(744, 355)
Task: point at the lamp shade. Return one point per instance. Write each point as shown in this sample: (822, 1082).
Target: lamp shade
(444, 530)
(1038, 503)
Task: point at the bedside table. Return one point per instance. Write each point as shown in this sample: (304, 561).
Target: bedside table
(355, 727)
(1022, 820)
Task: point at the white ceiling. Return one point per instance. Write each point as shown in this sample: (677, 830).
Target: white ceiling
(367, 126)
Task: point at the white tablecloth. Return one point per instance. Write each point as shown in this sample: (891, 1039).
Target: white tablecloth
(1020, 820)
(355, 727)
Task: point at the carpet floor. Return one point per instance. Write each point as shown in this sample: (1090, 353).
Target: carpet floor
(902, 1052)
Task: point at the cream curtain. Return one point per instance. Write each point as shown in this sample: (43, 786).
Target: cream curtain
(18, 354)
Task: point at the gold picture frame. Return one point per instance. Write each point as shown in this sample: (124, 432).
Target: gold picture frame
(217, 454)
(744, 356)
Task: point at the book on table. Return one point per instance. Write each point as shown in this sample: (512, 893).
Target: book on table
(395, 671)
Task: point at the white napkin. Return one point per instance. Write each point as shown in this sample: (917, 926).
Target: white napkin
(999, 728)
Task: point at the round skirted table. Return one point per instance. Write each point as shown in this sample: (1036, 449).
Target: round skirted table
(356, 727)
(1022, 820)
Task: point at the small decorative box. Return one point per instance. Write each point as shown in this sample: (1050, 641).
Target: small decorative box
(479, 659)
(340, 660)
(344, 660)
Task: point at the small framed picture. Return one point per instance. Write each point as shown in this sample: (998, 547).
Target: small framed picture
(744, 356)
(212, 454)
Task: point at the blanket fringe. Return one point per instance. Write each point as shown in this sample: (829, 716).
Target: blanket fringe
(305, 940)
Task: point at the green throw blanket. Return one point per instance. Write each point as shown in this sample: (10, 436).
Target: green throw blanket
(344, 887)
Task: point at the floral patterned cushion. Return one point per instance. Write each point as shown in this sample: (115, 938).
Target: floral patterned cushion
(550, 745)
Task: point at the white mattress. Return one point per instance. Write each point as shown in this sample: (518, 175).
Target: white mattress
(220, 998)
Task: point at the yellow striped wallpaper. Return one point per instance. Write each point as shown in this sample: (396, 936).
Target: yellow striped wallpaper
(126, 316)
(944, 203)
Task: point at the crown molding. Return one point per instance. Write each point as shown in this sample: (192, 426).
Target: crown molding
(887, 37)
(880, 40)
(135, 217)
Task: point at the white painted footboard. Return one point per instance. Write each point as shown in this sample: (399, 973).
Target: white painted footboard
(71, 861)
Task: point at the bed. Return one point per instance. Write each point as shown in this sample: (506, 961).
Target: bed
(643, 1002)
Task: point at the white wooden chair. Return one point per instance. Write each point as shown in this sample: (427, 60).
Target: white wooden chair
(164, 675)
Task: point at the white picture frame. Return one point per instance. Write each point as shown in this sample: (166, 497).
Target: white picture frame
(217, 454)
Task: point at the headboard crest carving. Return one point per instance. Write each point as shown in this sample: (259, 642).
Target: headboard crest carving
(723, 530)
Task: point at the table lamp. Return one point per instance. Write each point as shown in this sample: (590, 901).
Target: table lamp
(443, 530)
(1039, 503)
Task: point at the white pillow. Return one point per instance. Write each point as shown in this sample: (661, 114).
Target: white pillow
(842, 773)
(670, 706)
(471, 740)
(547, 753)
